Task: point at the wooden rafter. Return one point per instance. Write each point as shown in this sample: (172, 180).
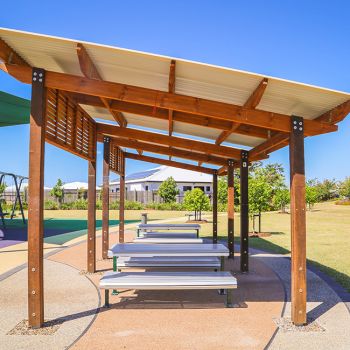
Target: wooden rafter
(279, 140)
(172, 141)
(10, 57)
(269, 144)
(252, 102)
(158, 149)
(170, 163)
(161, 113)
(336, 114)
(161, 99)
(90, 71)
(171, 89)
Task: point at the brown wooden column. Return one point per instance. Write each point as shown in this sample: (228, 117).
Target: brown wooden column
(230, 207)
(105, 197)
(91, 245)
(36, 200)
(121, 202)
(244, 212)
(298, 221)
(215, 207)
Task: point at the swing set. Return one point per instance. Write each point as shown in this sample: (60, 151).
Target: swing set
(17, 181)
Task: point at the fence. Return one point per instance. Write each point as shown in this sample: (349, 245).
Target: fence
(72, 195)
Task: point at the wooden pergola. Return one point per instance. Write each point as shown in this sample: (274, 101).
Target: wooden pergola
(73, 80)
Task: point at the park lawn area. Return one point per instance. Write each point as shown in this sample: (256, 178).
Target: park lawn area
(328, 237)
(328, 233)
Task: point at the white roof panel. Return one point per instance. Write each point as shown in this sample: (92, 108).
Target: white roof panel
(192, 78)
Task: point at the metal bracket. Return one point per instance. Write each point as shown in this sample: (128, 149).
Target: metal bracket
(38, 76)
(297, 125)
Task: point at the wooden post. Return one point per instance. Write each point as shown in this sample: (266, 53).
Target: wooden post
(244, 212)
(230, 207)
(121, 202)
(105, 197)
(36, 200)
(215, 207)
(298, 221)
(91, 245)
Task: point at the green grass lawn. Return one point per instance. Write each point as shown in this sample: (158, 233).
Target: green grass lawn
(328, 233)
(328, 237)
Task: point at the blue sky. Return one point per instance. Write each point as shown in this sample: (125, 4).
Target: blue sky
(306, 41)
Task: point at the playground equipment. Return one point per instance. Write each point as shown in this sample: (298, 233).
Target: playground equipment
(17, 181)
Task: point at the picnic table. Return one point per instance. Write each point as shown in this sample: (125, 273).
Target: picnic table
(168, 250)
(168, 227)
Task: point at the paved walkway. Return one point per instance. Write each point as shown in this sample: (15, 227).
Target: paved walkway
(172, 319)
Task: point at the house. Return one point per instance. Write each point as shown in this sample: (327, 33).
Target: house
(150, 180)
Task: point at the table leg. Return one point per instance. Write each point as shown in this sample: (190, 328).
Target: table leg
(115, 269)
(222, 268)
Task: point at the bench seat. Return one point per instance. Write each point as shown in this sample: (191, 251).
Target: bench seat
(168, 281)
(168, 235)
(160, 240)
(163, 261)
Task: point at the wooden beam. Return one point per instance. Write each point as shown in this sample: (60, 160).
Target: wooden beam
(169, 163)
(298, 222)
(10, 57)
(336, 114)
(36, 201)
(264, 147)
(244, 212)
(147, 147)
(105, 197)
(171, 89)
(173, 141)
(161, 113)
(222, 170)
(122, 202)
(166, 100)
(215, 207)
(91, 236)
(252, 102)
(333, 116)
(230, 207)
(90, 71)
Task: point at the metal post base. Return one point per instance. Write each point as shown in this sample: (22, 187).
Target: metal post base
(222, 291)
(106, 305)
(229, 299)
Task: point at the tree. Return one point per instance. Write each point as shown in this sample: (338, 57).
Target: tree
(327, 189)
(345, 188)
(196, 200)
(259, 196)
(222, 190)
(168, 190)
(281, 199)
(57, 192)
(311, 195)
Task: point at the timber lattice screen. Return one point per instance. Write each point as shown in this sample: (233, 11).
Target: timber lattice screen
(68, 126)
(116, 159)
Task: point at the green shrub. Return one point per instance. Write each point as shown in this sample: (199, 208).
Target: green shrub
(132, 205)
(99, 204)
(67, 206)
(222, 207)
(80, 204)
(50, 205)
(114, 205)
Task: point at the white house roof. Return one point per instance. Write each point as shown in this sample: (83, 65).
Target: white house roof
(163, 172)
(192, 79)
(24, 185)
(77, 185)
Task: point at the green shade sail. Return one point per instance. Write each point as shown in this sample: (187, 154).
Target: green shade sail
(13, 110)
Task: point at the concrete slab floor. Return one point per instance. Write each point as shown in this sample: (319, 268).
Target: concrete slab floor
(184, 319)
